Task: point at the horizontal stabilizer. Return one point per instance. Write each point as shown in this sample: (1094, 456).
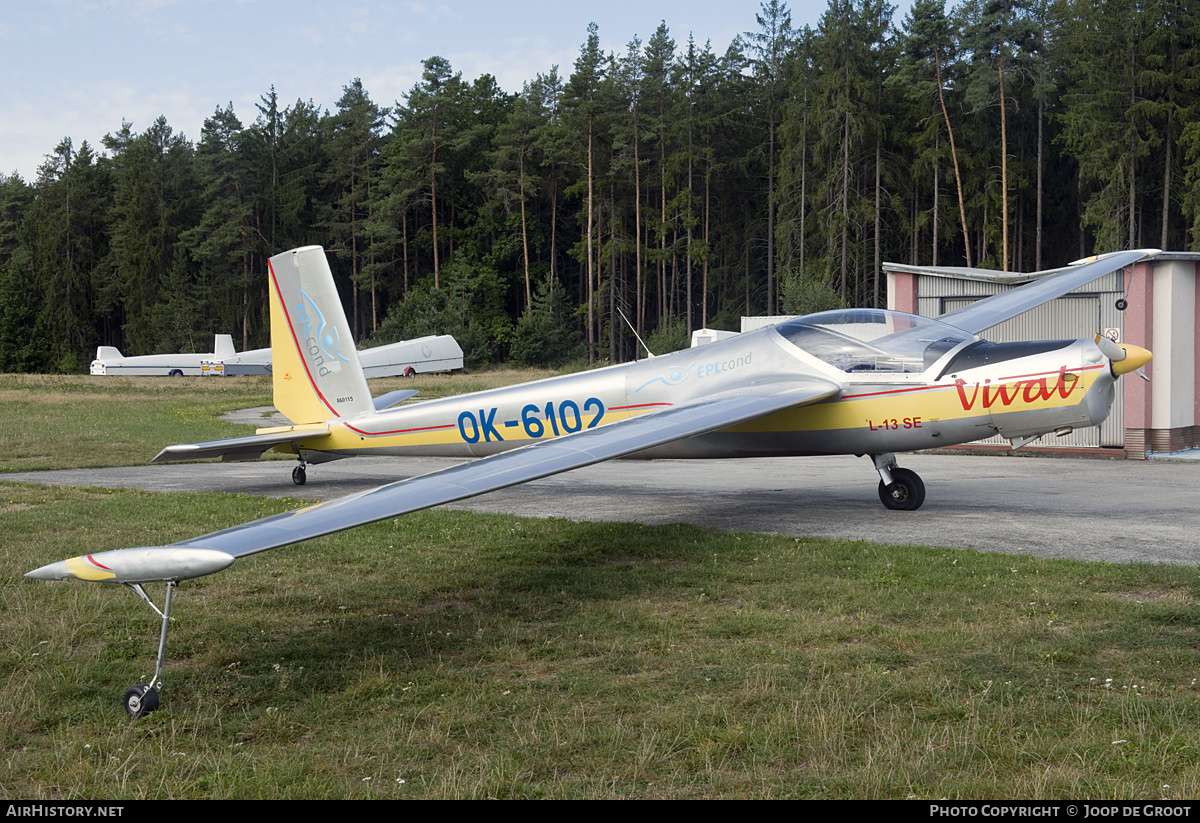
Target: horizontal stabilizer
(386, 401)
(250, 447)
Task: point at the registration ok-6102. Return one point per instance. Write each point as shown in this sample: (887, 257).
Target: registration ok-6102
(552, 419)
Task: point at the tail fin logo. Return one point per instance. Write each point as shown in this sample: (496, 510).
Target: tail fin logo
(322, 340)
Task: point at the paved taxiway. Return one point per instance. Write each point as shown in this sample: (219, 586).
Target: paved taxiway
(1112, 510)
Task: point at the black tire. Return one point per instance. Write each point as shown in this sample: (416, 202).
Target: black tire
(1122, 304)
(299, 476)
(906, 493)
(410, 372)
(140, 700)
(175, 373)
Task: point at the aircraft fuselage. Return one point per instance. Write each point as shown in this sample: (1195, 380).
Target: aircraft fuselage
(965, 394)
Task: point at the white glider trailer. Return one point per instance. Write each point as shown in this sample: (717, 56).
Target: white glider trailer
(110, 361)
(255, 361)
(409, 358)
(406, 358)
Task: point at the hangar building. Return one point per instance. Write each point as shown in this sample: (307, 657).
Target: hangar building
(1148, 418)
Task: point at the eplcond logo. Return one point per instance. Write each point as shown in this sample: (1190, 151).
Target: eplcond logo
(320, 341)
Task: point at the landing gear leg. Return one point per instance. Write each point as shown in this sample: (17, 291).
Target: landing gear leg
(899, 489)
(299, 475)
(142, 699)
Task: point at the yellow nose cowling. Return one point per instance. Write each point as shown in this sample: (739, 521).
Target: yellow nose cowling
(1135, 358)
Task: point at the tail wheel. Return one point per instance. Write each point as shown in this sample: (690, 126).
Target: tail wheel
(906, 493)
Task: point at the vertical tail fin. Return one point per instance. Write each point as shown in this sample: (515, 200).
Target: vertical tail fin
(315, 368)
(223, 347)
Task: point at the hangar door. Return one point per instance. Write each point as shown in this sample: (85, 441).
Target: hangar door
(1067, 318)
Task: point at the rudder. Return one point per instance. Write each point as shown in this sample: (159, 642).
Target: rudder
(316, 375)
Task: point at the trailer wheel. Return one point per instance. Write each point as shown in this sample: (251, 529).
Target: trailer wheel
(175, 373)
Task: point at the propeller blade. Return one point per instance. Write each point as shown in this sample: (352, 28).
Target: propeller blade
(1110, 349)
(1123, 359)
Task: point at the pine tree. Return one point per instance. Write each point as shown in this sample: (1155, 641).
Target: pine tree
(224, 243)
(354, 144)
(771, 46)
(584, 100)
(928, 49)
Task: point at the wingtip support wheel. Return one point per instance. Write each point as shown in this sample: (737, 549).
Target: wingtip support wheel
(906, 492)
(140, 700)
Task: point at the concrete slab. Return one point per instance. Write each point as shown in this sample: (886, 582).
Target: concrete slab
(1117, 511)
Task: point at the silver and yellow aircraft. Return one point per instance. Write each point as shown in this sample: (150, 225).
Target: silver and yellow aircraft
(857, 381)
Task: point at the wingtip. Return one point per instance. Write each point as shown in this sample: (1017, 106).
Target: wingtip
(1145, 254)
(137, 565)
(51, 571)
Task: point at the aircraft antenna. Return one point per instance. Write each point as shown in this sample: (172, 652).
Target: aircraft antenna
(635, 334)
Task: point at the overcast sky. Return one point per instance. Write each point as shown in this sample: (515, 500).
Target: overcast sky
(79, 68)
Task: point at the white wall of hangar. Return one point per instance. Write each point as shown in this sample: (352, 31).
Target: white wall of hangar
(1156, 418)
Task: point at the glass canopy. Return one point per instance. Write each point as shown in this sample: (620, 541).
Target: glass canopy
(873, 340)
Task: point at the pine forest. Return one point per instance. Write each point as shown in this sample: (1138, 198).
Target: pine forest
(655, 186)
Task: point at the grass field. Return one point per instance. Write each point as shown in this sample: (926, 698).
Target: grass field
(449, 654)
(63, 421)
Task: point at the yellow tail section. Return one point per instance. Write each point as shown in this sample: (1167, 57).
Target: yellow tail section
(316, 375)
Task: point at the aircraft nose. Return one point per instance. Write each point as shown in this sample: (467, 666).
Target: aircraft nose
(1122, 359)
(1135, 358)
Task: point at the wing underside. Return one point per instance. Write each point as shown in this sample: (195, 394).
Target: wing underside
(517, 466)
(984, 314)
(499, 471)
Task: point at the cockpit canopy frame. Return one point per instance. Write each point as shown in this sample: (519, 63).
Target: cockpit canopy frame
(879, 342)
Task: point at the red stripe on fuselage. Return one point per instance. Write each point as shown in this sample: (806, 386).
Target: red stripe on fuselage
(952, 385)
(640, 406)
(1055, 372)
(895, 391)
(398, 431)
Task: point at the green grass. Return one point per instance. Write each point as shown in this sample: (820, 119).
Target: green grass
(69, 421)
(448, 654)
(491, 656)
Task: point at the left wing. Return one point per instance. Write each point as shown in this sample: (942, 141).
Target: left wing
(213, 552)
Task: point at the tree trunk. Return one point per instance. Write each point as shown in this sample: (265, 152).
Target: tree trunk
(962, 208)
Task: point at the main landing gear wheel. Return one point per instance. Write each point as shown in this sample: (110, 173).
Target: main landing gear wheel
(299, 476)
(906, 492)
(140, 700)
(410, 372)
